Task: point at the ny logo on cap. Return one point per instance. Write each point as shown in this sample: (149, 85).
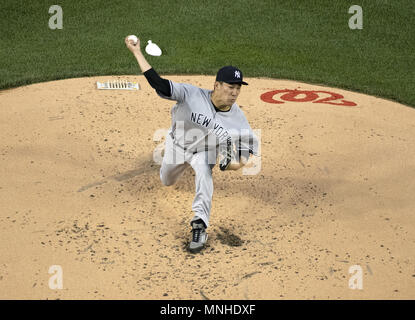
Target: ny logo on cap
(237, 74)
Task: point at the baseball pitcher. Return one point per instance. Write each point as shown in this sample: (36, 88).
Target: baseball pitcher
(207, 126)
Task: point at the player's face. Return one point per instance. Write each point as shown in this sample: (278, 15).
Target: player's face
(228, 92)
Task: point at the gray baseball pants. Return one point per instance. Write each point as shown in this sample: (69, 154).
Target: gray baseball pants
(175, 161)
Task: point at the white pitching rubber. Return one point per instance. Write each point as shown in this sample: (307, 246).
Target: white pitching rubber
(118, 85)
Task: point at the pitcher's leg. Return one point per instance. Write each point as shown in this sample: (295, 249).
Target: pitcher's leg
(173, 164)
(170, 173)
(202, 202)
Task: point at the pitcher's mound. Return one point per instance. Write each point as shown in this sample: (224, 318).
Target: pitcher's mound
(328, 214)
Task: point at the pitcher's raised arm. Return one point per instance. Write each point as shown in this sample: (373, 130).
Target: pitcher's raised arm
(159, 84)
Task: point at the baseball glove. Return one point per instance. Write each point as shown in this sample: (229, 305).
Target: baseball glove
(225, 154)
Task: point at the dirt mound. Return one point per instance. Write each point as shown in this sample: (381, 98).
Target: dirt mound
(80, 189)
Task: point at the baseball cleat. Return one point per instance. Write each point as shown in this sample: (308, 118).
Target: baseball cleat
(199, 236)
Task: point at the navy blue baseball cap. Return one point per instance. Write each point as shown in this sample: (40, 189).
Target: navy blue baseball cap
(230, 74)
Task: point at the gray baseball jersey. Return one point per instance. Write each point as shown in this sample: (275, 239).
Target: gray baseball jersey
(197, 126)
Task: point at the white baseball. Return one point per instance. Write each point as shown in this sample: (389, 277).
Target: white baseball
(133, 38)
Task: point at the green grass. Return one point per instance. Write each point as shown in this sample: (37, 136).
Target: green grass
(307, 40)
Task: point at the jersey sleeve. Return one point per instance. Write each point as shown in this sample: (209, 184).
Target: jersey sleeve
(247, 141)
(179, 91)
